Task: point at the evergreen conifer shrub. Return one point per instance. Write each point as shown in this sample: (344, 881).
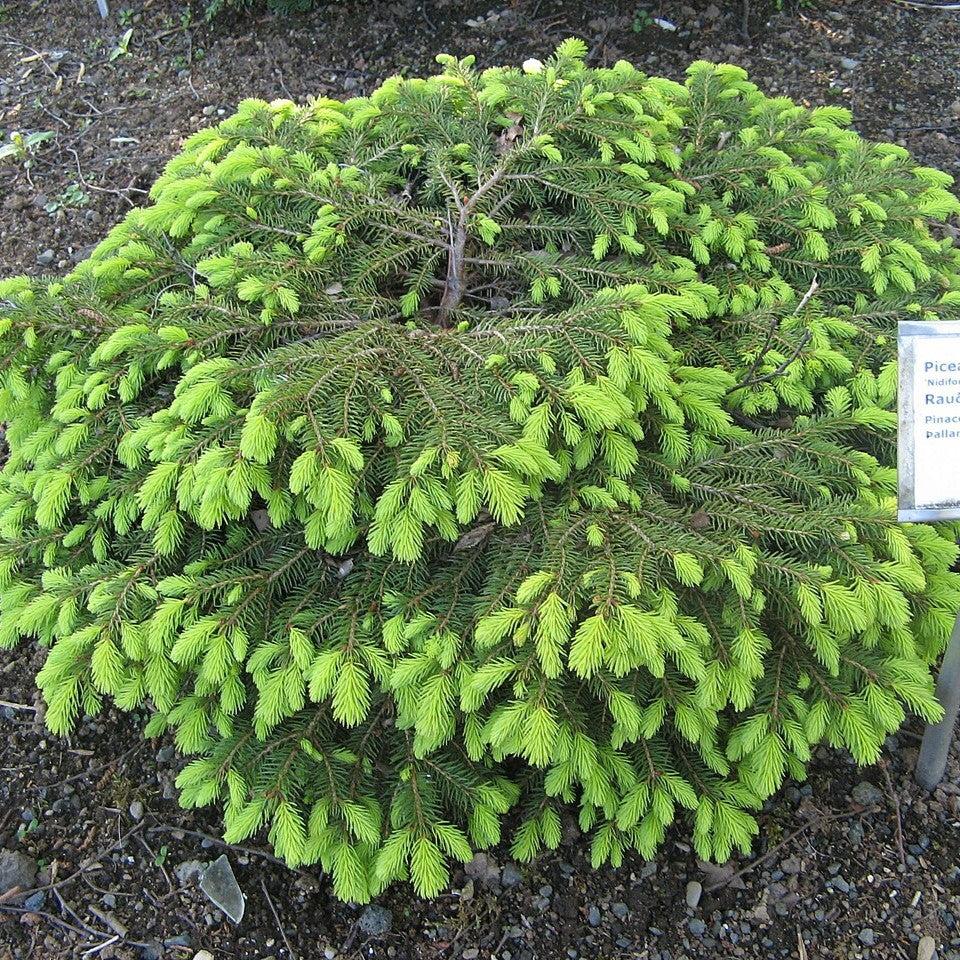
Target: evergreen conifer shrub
(499, 444)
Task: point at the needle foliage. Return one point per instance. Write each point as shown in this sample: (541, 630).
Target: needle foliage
(503, 444)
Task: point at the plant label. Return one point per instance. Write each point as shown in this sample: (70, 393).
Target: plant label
(929, 414)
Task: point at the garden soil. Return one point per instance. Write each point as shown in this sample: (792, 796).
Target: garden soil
(854, 864)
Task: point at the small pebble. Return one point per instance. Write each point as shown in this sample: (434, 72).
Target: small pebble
(848, 63)
(593, 916)
(926, 948)
(620, 910)
(471, 953)
(136, 810)
(45, 258)
(36, 901)
(511, 876)
(697, 927)
(694, 893)
(376, 920)
(867, 937)
(866, 794)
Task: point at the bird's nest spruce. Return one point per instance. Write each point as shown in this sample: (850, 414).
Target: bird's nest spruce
(501, 444)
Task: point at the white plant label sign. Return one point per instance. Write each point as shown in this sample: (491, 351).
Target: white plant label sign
(929, 414)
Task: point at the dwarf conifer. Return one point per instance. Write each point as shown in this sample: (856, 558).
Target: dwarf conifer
(501, 444)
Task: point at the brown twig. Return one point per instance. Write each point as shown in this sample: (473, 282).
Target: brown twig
(266, 893)
(88, 773)
(454, 289)
(18, 706)
(253, 851)
(750, 380)
(157, 861)
(895, 802)
(86, 864)
(817, 822)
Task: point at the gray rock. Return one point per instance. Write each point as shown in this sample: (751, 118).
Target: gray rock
(16, 870)
(136, 810)
(221, 888)
(36, 901)
(375, 920)
(477, 868)
(593, 916)
(620, 910)
(848, 63)
(866, 794)
(776, 891)
(471, 953)
(511, 875)
(697, 927)
(45, 258)
(926, 948)
(694, 893)
(867, 937)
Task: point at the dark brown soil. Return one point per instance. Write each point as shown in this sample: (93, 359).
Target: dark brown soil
(831, 877)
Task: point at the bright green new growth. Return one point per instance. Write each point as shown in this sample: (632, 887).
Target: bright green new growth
(501, 443)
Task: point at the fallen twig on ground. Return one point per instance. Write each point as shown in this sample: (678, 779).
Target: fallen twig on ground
(810, 824)
(895, 802)
(266, 893)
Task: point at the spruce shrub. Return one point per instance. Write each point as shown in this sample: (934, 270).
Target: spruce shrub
(499, 444)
